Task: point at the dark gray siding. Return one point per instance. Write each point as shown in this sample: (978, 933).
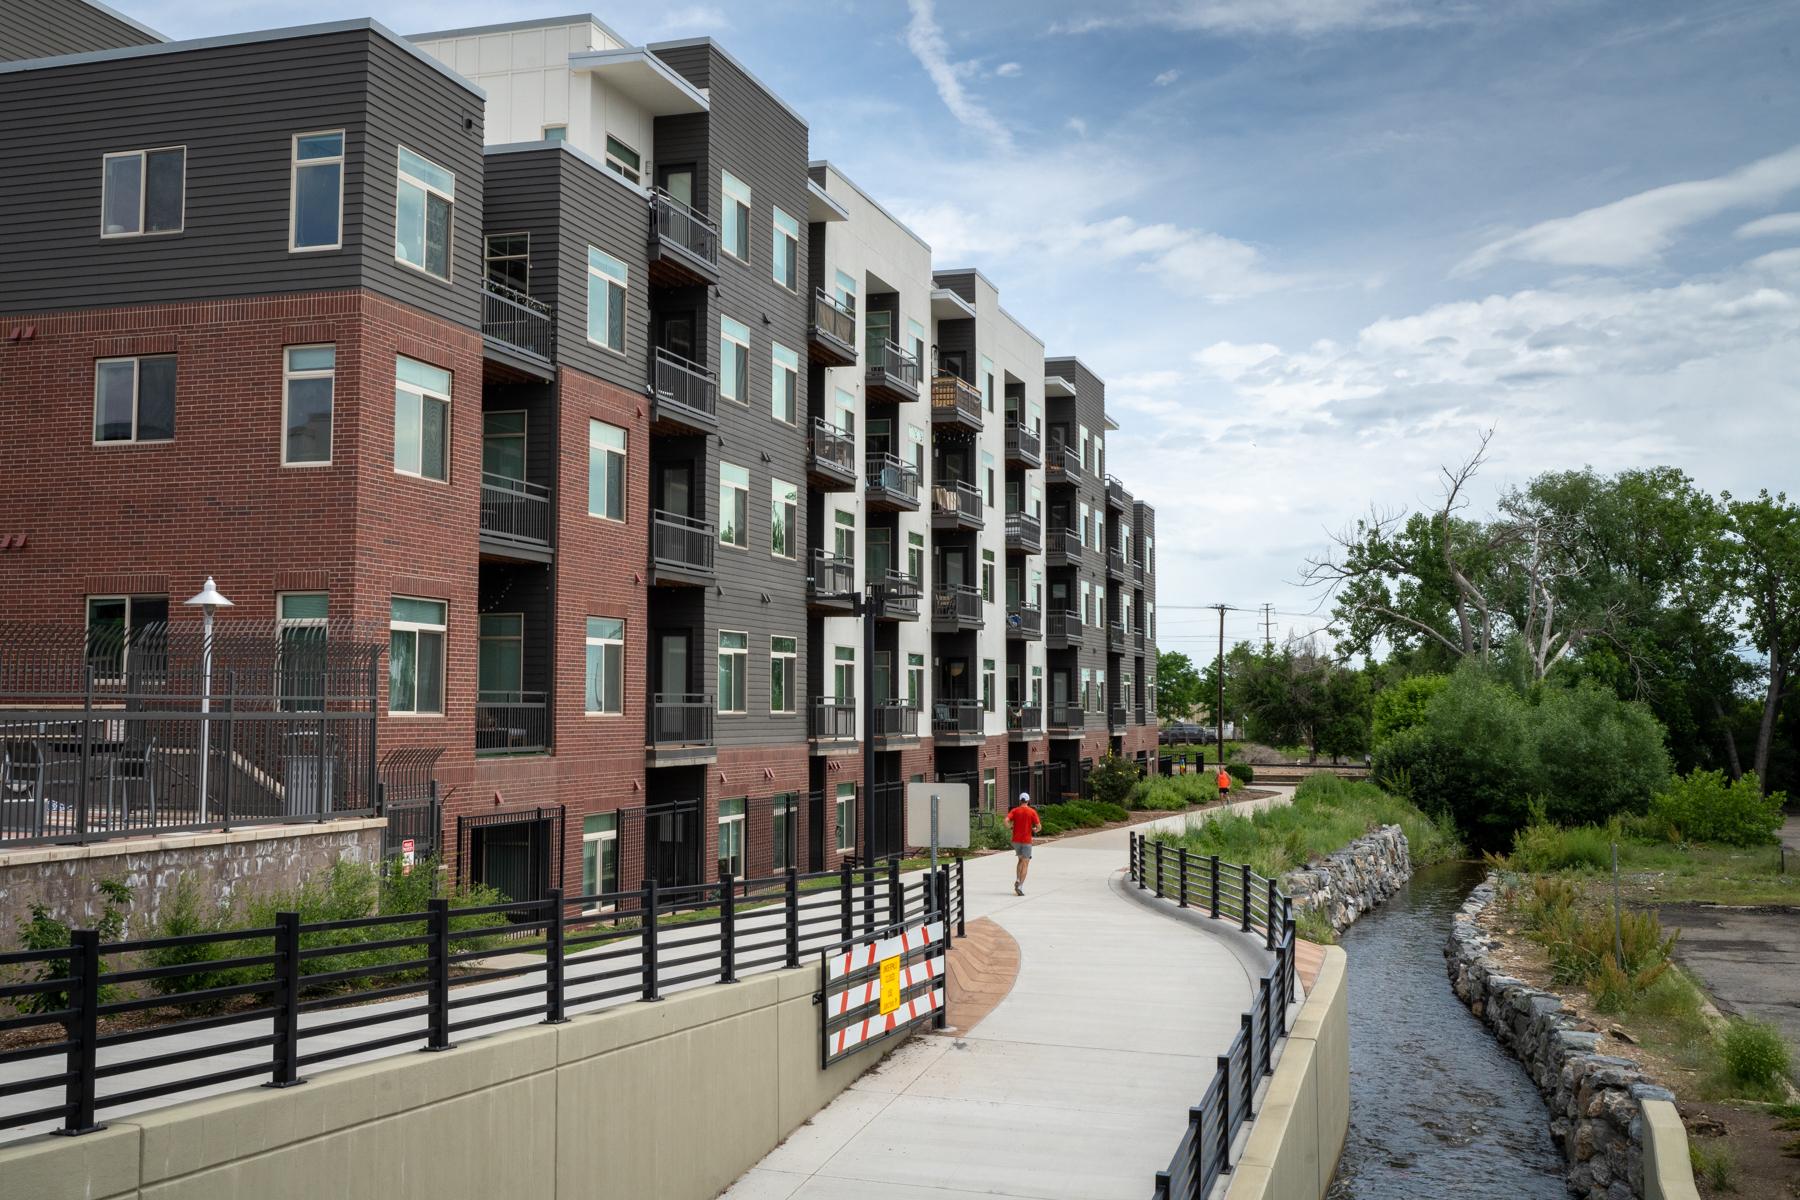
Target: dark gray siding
(522, 193)
(1087, 408)
(235, 108)
(961, 282)
(958, 337)
(43, 28)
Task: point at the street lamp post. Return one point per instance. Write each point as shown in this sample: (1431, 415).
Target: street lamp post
(209, 601)
(868, 606)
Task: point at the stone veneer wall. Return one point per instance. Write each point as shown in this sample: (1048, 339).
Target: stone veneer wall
(260, 858)
(1594, 1099)
(1347, 883)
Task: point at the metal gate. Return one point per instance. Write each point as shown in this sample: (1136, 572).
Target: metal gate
(875, 989)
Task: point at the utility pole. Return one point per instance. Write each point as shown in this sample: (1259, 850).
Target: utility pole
(1219, 712)
(1268, 628)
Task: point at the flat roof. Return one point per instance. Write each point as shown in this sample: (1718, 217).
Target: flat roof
(645, 78)
(1070, 358)
(573, 151)
(722, 52)
(534, 23)
(136, 24)
(832, 167)
(822, 206)
(289, 33)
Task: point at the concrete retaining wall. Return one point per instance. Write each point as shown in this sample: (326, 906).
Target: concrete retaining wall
(1347, 883)
(673, 1099)
(1668, 1171)
(1304, 1114)
(256, 859)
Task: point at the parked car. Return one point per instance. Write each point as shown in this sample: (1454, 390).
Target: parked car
(1180, 731)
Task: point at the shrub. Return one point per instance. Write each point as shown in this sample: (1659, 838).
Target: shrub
(1241, 772)
(1314, 926)
(1541, 847)
(1755, 1054)
(990, 831)
(1402, 706)
(1596, 756)
(1705, 806)
(1173, 793)
(1112, 779)
(1715, 1165)
(1584, 950)
(45, 932)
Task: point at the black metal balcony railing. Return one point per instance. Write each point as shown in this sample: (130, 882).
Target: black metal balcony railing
(681, 719)
(1024, 532)
(676, 223)
(1115, 491)
(1115, 561)
(955, 399)
(1115, 635)
(514, 318)
(1067, 714)
(832, 320)
(1023, 445)
(515, 510)
(686, 386)
(833, 450)
(900, 593)
(1063, 463)
(1024, 620)
(511, 723)
(1064, 624)
(892, 369)
(957, 501)
(894, 476)
(1025, 718)
(893, 718)
(833, 719)
(1117, 717)
(682, 542)
(832, 577)
(1063, 543)
(1137, 636)
(956, 604)
(956, 718)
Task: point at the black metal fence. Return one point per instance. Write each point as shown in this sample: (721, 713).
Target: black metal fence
(515, 510)
(98, 1027)
(510, 316)
(1234, 893)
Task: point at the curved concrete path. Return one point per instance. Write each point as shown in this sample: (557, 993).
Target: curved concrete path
(1076, 1086)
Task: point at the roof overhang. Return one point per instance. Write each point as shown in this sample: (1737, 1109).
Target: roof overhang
(642, 78)
(821, 207)
(1110, 423)
(1057, 385)
(946, 305)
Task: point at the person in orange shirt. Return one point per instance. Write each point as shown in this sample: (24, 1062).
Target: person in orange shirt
(1224, 784)
(1025, 822)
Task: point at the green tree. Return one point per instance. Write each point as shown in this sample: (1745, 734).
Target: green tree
(1757, 565)
(1402, 706)
(1177, 686)
(1343, 731)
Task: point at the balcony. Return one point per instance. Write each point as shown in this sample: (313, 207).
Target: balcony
(1137, 636)
(832, 585)
(956, 722)
(893, 722)
(1116, 495)
(892, 374)
(832, 467)
(900, 595)
(518, 330)
(1137, 570)
(892, 484)
(1062, 464)
(515, 519)
(1067, 719)
(1024, 622)
(1117, 718)
(1062, 547)
(1115, 636)
(1024, 722)
(1115, 564)
(955, 402)
(955, 607)
(1063, 629)
(511, 723)
(956, 505)
(831, 336)
(681, 550)
(1024, 533)
(686, 398)
(681, 730)
(684, 246)
(832, 725)
(1022, 446)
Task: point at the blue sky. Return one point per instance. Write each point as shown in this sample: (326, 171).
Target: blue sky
(1316, 246)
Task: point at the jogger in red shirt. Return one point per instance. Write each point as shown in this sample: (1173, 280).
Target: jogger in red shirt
(1025, 822)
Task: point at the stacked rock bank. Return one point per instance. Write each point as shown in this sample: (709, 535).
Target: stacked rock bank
(1347, 883)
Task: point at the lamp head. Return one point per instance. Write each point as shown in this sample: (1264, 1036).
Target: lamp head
(209, 597)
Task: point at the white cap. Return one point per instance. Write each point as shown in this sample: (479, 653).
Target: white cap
(1024, 797)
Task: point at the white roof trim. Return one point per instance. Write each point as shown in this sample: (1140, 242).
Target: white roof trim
(832, 169)
(948, 297)
(821, 207)
(1059, 386)
(534, 23)
(722, 52)
(599, 60)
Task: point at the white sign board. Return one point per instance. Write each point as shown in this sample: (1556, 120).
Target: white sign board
(953, 814)
(407, 856)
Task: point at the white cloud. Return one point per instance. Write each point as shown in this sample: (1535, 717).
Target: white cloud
(694, 19)
(925, 39)
(1778, 225)
(1636, 230)
(1076, 126)
(1007, 70)
(1165, 78)
(1265, 17)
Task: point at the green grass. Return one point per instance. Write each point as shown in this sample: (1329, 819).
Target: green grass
(1655, 870)
(1206, 751)
(1714, 1165)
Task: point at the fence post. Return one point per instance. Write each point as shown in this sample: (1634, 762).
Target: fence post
(287, 1000)
(845, 912)
(87, 760)
(374, 762)
(438, 951)
(1268, 1007)
(1215, 887)
(1244, 891)
(868, 874)
(1292, 972)
(1247, 1026)
(647, 939)
(1225, 1121)
(1157, 847)
(1142, 841)
(896, 898)
(230, 699)
(727, 930)
(792, 888)
(84, 1030)
(1181, 857)
(555, 966)
(1270, 915)
(1197, 1138)
(1130, 857)
(962, 901)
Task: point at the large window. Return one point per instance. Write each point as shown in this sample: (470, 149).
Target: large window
(734, 505)
(606, 281)
(317, 198)
(734, 671)
(843, 289)
(425, 197)
(507, 257)
(843, 535)
(134, 399)
(843, 673)
(915, 557)
(416, 656)
(606, 471)
(307, 381)
(784, 509)
(987, 466)
(987, 382)
(141, 191)
(112, 624)
(734, 360)
(734, 216)
(599, 856)
(987, 685)
(990, 789)
(987, 576)
(500, 657)
(301, 618)
(782, 656)
(731, 838)
(784, 383)
(604, 691)
(421, 419)
(785, 830)
(915, 680)
(786, 267)
(623, 160)
(846, 817)
(503, 436)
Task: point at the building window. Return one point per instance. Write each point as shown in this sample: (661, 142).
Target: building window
(141, 191)
(987, 685)
(556, 133)
(784, 510)
(507, 257)
(782, 656)
(316, 197)
(734, 505)
(915, 557)
(844, 291)
(307, 379)
(421, 419)
(987, 576)
(734, 663)
(915, 680)
(1150, 555)
(787, 251)
(416, 656)
(300, 673)
(784, 383)
(599, 858)
(734, 360)
(425, 197)
(731, 838)
(606, 471)
(843, 673)
(987, 382)
(604, 691)
(503, 444)
(990, 790)
(987, 464)
(113, 622)
(622, 160)
(785, 830)
(134, 399)
(846, 817)
(500, 657)
(734, 216)
(843, 535)
(606, 281)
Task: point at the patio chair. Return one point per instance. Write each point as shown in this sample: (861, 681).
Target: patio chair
(59, 787)
(21, 789)
(131, 767)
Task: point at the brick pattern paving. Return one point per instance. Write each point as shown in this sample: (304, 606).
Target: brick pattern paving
(982, 969)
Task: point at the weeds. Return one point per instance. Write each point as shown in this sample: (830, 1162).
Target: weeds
(1755, 1054)
(1715, 1165)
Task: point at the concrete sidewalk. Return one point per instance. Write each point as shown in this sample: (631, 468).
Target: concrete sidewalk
(1077, 1085)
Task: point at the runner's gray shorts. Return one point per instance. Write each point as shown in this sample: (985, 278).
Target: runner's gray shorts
(1022, 849)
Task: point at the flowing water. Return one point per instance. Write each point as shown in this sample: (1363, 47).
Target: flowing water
(1437, 1109)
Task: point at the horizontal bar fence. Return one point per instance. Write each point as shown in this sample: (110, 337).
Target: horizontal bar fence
(1224, 892)
(93, 1027)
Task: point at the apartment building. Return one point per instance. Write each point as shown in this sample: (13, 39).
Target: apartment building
(699, 514)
